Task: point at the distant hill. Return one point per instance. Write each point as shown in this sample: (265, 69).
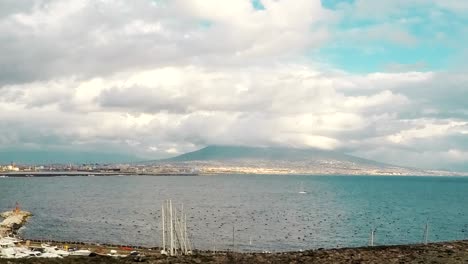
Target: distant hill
(227, 153)
(278, 160)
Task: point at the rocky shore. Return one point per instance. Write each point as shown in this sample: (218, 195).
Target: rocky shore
(13, 220)
(446, 252)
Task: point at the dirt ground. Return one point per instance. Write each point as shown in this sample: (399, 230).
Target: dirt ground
(449, 252)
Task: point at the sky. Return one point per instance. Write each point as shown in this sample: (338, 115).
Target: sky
(385, 80)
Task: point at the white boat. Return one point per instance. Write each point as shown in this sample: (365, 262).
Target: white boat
(113, 253)
(55, 250)
(35, 254)
(8, 250)
(19, 255)
(12, 240)
(3, 176)
(301, 189)
(24, 252)
(49, 255)
(80, 252)
(6, 243)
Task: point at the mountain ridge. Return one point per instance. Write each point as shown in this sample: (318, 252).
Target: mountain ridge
(226, 153)
(219, 159)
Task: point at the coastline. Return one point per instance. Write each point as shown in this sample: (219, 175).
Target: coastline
(441, 252)
(103, 174)
(85, 173)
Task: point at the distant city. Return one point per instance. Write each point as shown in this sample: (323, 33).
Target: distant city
(91, 169)
(231, 160)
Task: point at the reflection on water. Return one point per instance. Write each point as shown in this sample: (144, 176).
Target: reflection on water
(267, 212)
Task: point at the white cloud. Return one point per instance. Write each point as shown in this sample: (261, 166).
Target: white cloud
(427, 129)
(93, 38)
(190, 106)
(158, 78)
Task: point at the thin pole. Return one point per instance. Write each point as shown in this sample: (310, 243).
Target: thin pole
(181, 227)
(180, 238)
(176, 231)
(214, 243)
(426, 233)
(233, 238)
(189, 241)
(163, 229)
(371, 242)
(185, 233)
(171, 228)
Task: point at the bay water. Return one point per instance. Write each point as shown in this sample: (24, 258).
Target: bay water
(267, 212)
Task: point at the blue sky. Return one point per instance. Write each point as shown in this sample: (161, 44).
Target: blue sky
(384, 80)
(427, 37)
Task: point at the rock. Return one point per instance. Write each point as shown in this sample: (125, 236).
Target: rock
(140, 258)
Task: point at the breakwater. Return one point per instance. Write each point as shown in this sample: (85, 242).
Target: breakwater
(86, 173)
(13, 220)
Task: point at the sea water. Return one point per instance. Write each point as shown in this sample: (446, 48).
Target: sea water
(261, 212)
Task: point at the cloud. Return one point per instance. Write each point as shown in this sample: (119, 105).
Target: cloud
(187, 107)
(158, 78)
(86, 38)
(428, 130)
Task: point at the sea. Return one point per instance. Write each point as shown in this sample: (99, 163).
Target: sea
(244, 212)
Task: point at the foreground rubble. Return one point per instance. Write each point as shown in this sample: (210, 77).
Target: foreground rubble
(447, 252)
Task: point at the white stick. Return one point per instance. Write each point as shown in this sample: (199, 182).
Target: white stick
(371, 240)
(426, 233)
(214, 244)
(171, 228)
(163, 229)
(233, 238)
(181, 228)
(177, 230)
(185, 233)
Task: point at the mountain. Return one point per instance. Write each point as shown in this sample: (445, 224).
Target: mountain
(277, 160)
(237, 153)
